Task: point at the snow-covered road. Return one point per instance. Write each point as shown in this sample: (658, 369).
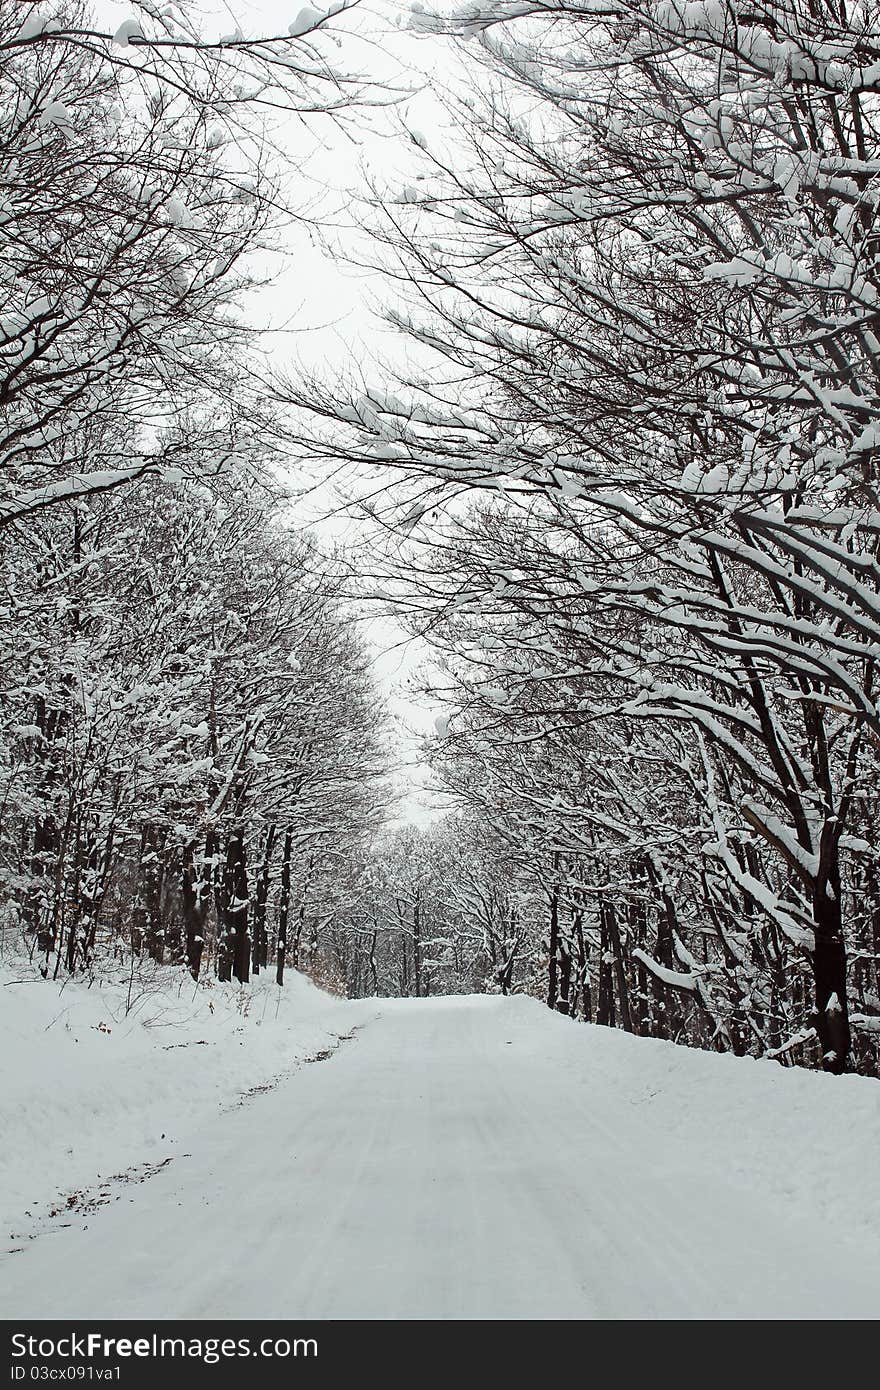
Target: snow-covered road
(465, 1158)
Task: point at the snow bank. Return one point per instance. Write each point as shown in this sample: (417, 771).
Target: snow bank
(97, 1079)
(807, 1140)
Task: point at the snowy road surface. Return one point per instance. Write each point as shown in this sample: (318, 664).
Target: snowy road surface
(468, 1158)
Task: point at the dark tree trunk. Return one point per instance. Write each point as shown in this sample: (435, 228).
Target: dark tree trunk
(504, 971)
(260, 949)
(583, 966)
(194, 885)
(829, 966)
(147, 931)
(405, 976)
(237, 905)
(373, 971)
(619, 969)
(668, 1009)
(234, 955)
(41, 913)
(553, 950)
(564, 1002)
(301, 915)
(417, 945)
(97, 872)
(74, 907)
(605, 1003)
(38, 914)
(874, 900)
(283, 908)
(638, 934)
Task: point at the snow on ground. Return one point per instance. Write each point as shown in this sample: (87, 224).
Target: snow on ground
(96, 1079)
(456, 1158)
(806, 1139)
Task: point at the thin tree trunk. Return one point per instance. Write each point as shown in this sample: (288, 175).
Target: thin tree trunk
(373, 971)
(237, 905)
(259, 951)
(605, 1004)
(194, 884)
(564, 1002)
(234, 955)
(829, 963)
(553, 944)
(283, 908)
(619, 969)
(301, 915)
(417, 945)
(583, 965)
(668, 1008)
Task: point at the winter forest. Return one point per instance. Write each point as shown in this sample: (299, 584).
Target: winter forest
(607, 472)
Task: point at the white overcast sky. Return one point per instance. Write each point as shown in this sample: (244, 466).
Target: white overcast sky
(319, 309)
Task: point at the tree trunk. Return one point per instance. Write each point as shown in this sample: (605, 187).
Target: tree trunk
(147, 929)
(619, 970)
(829, 963)
(40, 911)
(874, 899)
(669, 1017)
(373, 971)
(564, 1001)
(583, 965)
(260, 952)
(234, 943)
(194, 885)
(417, 945)
(605, 1004)
(283, 908)
(553, 950)
(301, 915)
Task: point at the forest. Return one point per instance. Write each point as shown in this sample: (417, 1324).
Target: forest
(620, 479)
